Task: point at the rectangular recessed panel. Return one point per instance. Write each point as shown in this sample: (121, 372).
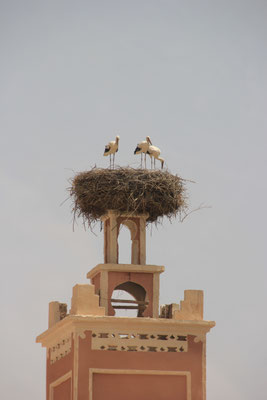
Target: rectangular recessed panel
(62, 391)
(139, 387)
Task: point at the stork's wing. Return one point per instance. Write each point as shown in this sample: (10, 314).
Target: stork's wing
(137, 149)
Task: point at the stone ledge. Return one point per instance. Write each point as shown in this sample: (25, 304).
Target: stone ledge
(147, 269)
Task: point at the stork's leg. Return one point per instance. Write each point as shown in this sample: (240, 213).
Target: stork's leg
(145, 160)
(151, 162)
(141, 160)
(110, 161)
(113, 160)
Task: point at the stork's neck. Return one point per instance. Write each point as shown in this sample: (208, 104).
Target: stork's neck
(162, 161)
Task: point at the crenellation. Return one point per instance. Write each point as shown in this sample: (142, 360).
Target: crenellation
(85, 302)
(191, 308)
(57, 311)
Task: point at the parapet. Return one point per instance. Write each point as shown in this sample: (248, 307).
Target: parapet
(57, 311)
(191, 308)
(85, 302)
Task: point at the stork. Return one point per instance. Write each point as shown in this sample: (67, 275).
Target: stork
(112, 148)
(142, 147)
(154, 151)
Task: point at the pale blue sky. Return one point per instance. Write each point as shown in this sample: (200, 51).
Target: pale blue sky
(190, 74)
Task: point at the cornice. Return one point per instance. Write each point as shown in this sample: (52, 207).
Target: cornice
(148, 269)
(79, 324)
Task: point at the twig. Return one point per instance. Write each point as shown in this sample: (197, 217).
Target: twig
(201, 207)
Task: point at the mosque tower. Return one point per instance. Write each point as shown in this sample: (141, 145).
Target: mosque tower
(92, 354)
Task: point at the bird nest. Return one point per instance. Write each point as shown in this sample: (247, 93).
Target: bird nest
(127, 190)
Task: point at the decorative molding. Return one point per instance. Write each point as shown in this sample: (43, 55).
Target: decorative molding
(57, 382)
(133, 341)
(80, 324)
(187, 374)
(60, 349)
(200, 338)
(82, 334)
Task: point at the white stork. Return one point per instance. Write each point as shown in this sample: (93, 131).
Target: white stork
(154, 151)
(112, 148)
(142, 147)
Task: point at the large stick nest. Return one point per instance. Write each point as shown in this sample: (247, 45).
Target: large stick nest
(134, 191)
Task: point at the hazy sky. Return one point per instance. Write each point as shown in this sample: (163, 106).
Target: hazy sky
(192, 75)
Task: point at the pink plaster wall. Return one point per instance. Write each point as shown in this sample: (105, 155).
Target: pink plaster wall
(63, 391)
(187, 361)
(58, 369)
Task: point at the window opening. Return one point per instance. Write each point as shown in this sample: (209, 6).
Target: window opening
(119, 305)
(129, 299)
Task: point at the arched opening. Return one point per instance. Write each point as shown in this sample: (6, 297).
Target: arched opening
(123, 246)
(129, 299)
(118, 300)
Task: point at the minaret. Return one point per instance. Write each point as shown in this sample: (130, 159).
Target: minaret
(94, 355)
